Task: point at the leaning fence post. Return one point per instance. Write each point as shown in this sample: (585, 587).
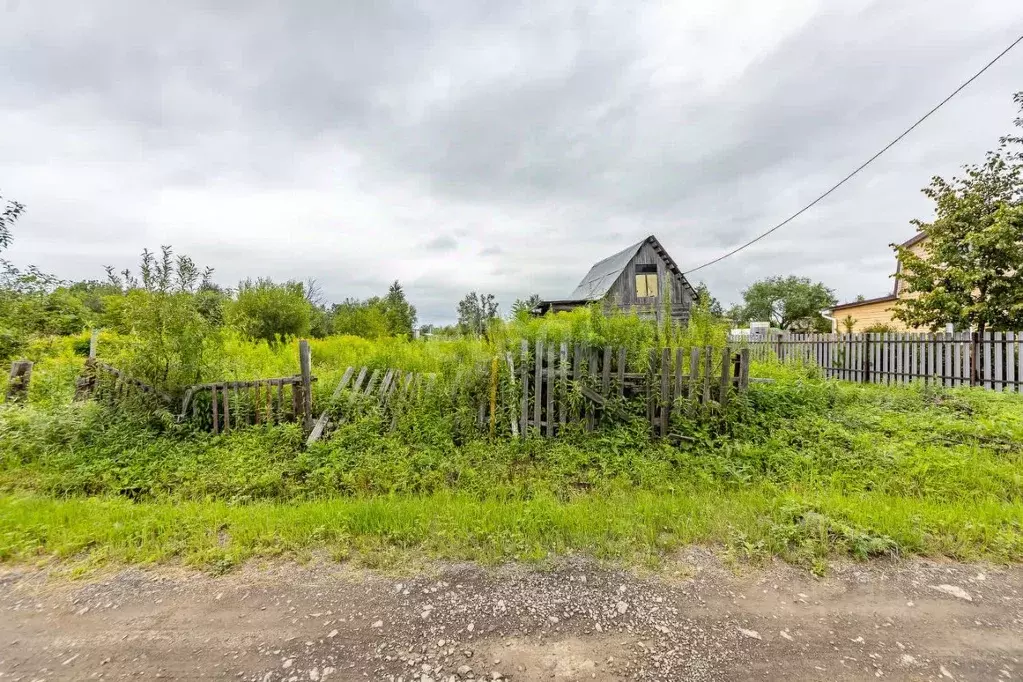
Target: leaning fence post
(305, 362)
(21, 375)
(93, 343)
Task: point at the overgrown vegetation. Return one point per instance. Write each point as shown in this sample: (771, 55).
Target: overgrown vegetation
(802, 468)
(970, 273)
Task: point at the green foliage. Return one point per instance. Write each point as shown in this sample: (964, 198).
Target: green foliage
(789, 302)
(880, 328)
(399, 313)
(521, 308)
(704, 296)
(360, 318)
(12, 211)
(476, 313)
(269, 311)
(972, 272)
(170, 342)
(801, 468)
(375, 317)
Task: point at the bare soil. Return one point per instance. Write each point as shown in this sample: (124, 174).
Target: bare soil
(694, 620)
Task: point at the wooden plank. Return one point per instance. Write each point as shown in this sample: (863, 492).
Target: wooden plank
(744, 361)
(726, 379)
(591, 370)
(371, 385)
(19, 381)
(216, 410)
(708, 368)
(550, 390)
(226, 408)
(954, 364)
(524, 378)
(577, 372)
(679, 380)
(1010, 362)
(694, 374)
(538, 385)
(621, 371)
(494, 368)
(998, 351)
(605, 376)
(321, 424)
(305, 361)
(357, 386)
(514, 418)
(385, 383)
(562, 384)
(987, 341)
(665, 400)
(592, 395)
(896, 349)
(651, 373)
(93, 344)
(924, 364)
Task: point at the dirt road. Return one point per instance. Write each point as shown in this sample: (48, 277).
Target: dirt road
(696, 620)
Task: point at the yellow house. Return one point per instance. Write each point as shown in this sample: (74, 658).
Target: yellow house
(873, 311)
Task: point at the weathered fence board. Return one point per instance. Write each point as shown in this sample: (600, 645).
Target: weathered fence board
(991, 360)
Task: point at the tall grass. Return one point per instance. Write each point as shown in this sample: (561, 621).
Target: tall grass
(801, 467)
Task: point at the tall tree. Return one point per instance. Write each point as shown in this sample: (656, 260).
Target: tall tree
(400, 314)
(788, 302)
(713, 305)
(475, 311)
(971, 271)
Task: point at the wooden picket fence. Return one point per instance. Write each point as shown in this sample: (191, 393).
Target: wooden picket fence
(561, 384)
(992, 360)
(541, 392)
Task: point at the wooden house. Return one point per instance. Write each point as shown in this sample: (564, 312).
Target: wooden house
(636, 279)
(878, 311)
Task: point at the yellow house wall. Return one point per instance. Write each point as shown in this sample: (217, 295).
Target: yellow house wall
(869, 314)
(916, 250)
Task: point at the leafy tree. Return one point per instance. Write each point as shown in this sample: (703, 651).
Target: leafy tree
(172, 344)
(399, 313)
(360, 318)
(787, 302)
(264, 309)
(475, 311)
(522, 307)
(713, 305)
(12, 211)
(849, 323)
(971, 274)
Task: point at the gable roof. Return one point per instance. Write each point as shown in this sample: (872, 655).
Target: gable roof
(603, 274)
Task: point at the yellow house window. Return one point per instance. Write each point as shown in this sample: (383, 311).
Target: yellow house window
(646, 281)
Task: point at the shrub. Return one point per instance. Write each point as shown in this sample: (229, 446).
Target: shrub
(271, 312)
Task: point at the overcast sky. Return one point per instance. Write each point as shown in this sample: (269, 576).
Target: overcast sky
(500, 146)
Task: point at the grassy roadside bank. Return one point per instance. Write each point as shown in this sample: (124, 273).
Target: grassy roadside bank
(751, 523)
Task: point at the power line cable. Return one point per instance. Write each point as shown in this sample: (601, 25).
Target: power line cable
(866, 163)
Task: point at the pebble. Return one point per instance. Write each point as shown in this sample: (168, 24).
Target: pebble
(953, 590)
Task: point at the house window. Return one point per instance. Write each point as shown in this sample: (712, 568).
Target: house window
(646, 281)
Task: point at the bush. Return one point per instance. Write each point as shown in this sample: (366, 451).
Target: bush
(271, 312)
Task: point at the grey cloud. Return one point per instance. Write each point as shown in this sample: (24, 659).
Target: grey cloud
(441, 243)
(541, 136)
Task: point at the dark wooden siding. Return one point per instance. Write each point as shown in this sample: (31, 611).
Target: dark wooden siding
(623, 291)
